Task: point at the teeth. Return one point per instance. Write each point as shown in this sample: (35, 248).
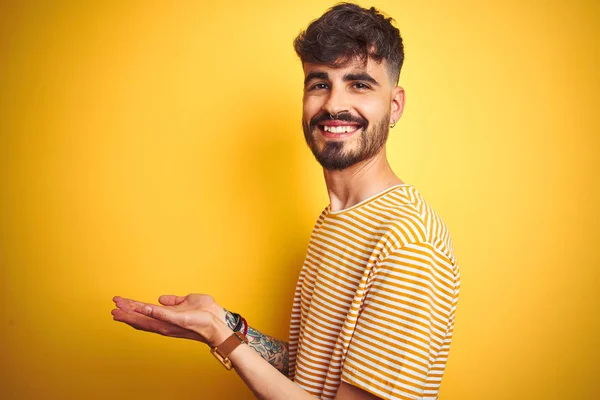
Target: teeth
(339, 129)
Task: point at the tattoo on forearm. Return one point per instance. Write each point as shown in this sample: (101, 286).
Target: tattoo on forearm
(271, 349)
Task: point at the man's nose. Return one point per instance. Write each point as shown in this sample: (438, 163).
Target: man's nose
(337, 101)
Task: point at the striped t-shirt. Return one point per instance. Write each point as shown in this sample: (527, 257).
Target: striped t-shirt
(375, 301)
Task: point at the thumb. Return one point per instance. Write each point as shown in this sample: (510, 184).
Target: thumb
(170, 300)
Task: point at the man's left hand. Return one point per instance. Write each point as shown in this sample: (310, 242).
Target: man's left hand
(196, 317)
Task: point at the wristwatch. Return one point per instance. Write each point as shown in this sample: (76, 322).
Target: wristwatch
(222, 351)
(239, 323)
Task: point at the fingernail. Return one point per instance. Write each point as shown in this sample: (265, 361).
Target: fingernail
(147, 310)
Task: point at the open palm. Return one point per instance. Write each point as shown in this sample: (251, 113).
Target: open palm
(182, 317)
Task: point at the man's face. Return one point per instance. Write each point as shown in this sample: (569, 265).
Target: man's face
(346, 111)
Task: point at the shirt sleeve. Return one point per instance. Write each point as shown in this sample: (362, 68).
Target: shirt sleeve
(400, 343)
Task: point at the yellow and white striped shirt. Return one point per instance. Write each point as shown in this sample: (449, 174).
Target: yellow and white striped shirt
(375, 301)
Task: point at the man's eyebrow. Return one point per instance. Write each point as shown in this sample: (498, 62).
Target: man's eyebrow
(315, 75)
(360, 76)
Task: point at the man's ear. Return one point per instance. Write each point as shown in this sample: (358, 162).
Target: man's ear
(397, 106)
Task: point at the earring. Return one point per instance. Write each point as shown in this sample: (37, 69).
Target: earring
(392, 124)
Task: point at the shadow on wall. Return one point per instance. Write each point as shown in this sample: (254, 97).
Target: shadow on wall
(271, 169)
(271, 192)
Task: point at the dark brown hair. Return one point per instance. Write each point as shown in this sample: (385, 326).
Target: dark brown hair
(346, 32)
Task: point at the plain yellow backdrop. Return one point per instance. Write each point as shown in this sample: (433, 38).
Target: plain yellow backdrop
(151, 147)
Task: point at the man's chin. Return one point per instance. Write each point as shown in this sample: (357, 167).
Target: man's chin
(337, 165)
(334, 157)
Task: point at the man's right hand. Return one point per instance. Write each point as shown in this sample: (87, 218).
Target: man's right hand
(129, 312)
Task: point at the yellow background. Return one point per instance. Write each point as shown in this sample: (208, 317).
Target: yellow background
(155, 147)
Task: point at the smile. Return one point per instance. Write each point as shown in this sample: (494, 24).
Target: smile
(336, 129)
(340, 129)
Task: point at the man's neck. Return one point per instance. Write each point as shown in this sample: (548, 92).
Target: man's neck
(354, 184)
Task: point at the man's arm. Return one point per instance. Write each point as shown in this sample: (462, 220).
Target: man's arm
(258, 374)
(271, 349)
(188, 317)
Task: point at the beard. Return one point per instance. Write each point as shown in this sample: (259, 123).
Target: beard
(334, 156)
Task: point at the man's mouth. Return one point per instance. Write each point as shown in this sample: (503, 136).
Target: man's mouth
(338, 128)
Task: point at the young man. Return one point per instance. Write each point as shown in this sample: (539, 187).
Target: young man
(374, 307)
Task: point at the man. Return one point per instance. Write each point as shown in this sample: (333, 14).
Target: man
(374, 307)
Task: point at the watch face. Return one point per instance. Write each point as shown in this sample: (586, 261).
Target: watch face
(237, 322)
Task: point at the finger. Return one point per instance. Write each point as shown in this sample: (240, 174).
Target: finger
(170, 300)
(141, 322)
(121, 300)
(128, 304)
(137, 321)
(161, 314)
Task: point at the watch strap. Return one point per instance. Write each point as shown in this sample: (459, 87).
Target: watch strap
(222, 351)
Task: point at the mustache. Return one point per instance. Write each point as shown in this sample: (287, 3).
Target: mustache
(347, 117)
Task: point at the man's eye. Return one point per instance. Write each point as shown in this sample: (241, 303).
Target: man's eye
(360, 85)
(319, 86)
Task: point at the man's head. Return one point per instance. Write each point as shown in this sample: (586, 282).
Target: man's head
(351, 58)
(348, 32)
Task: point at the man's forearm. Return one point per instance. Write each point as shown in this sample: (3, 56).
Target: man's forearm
(271, 349)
